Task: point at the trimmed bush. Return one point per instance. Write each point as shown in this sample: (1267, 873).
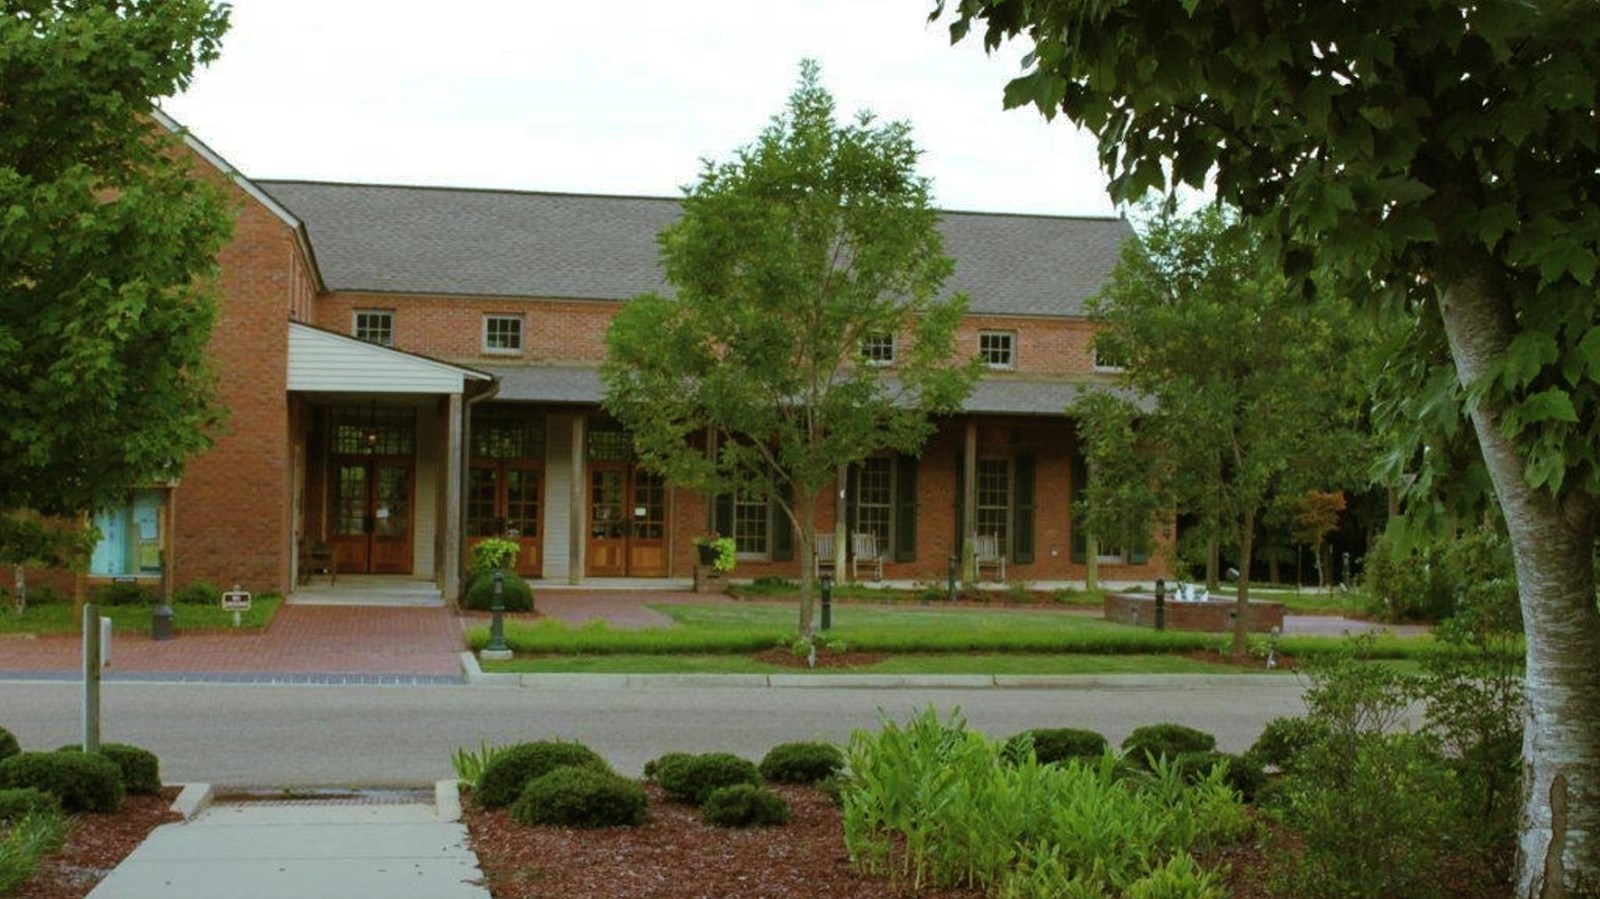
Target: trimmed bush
(20, 802)
(654, 766)
(141, 770)
(1059, 744)
(801, 763)
(1242, 772)
(1165, 739)
(1283, 739)
(122, 594)
(581, 797)
(198, 593)
(83, 783)
(8, 744)
(518, 595)
(506, 774)
(693, 778)
(745, 805)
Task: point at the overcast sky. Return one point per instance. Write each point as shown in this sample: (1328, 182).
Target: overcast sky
(619, 97)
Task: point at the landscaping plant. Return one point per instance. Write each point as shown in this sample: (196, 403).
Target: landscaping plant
(1057, 744)
(504, 776)
(23, 842)
(692, 778)
(745, 805)
(83, 782)
(581, 796)
(470, 765)
(931, 803)
(801, 763)
(141, 770)
(19, 802)
(1154, 741)
(8, 744)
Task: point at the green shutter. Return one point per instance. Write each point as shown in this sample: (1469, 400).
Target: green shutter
(1022, 517)
(782, 530)
(722, 514)
(1080, 483)
(905, 509)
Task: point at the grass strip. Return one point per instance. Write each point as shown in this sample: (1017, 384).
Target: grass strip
(985, 663)
(59, 617)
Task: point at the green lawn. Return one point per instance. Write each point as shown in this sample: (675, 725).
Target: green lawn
(58, 617)
(976, 663)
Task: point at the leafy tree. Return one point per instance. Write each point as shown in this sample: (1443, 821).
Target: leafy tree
(786, 258)
(1236, 424)
(107, 249)
(1446, 155)
(1316, 515)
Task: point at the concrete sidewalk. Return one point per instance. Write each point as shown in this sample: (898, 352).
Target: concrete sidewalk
(305, 850)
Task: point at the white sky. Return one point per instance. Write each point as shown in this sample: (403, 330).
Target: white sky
(612, 96)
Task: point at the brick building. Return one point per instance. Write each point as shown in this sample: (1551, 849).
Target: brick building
(410, 369)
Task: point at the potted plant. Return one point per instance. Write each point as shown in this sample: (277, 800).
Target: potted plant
(716, 552)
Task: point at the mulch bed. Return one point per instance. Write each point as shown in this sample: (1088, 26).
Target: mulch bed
(1212, 657)
(825, 659)
(96, 843)
(677, 856)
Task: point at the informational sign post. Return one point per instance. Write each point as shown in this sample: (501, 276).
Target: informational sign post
(236, 601)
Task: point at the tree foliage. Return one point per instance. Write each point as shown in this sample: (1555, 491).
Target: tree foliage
(107, 251)
(1254, 394)
(787, 256)
(1446, 156)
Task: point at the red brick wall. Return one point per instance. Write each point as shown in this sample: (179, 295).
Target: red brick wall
(234, 505)
(451, 328)
(1215, 616)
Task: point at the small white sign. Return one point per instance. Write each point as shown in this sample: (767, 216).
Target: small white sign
(236, 601)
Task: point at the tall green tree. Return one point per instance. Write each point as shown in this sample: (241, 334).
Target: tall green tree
(812, 239)
(1446, 155)
(107, 253)
(1254, 393)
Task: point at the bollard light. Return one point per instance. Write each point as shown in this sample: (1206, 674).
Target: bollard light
(1161, 604)
(950, 578)
(497, 648)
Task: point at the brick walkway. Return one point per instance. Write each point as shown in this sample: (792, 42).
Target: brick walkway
(306, 643)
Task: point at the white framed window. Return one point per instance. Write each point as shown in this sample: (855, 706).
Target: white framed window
(993, 512)
(502, 334)
(998, 349)
(875, 499)
(374, 326)
(752, 526)
(878, 349)
(1105, 360)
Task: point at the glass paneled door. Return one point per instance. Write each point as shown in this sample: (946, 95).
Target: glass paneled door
(627, 522)
(371, 487)
(372, 515)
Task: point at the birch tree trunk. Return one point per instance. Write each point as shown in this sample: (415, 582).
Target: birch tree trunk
(1552, 541)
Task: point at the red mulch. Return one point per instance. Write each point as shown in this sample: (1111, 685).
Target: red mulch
(677, 856)
(1212, 657)
(96, 843)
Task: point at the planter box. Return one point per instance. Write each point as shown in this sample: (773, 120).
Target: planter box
(1212, 616)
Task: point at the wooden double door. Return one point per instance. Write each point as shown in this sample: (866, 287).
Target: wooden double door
(627, 532)
(373, 503)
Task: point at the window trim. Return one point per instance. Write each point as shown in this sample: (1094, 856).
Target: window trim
(483, 333)
(1095, 360)
(764, 555)
(870, 349)
(356, 329)
(1011, 349)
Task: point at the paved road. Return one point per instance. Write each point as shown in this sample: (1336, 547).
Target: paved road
(298, 736)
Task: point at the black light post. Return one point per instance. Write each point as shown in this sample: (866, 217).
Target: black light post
(827, 601)
(1161, 604)
(497, 650)
(950, 578)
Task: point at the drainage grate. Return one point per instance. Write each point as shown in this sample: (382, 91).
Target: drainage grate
(324, 797)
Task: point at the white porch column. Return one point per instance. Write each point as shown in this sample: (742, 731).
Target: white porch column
(579, 504)
(451, 508)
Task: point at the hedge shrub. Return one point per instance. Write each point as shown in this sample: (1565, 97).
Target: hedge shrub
(198, 593)
(83, 782)
(693, 778)
(141, 770)
(518, 595)
(745, 805)
(1059, 744)
(571, 796)
(8, 744)
(19, 802)
(652, 767)
(1284, 739)
(1165, 739)
(1243, 773)
(507, 773)
(801, 763)
(122, 594)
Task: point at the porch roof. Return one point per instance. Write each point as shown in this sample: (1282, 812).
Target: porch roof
(993, 395)
(328, 362)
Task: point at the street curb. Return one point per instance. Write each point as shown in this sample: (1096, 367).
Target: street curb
(575, 681)
(192, 800)
(447, 800)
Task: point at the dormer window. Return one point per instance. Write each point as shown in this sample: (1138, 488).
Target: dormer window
(998, 349)
(878, 349)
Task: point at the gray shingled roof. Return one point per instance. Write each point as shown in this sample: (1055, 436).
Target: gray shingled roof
(993, 395)
(565, 246)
